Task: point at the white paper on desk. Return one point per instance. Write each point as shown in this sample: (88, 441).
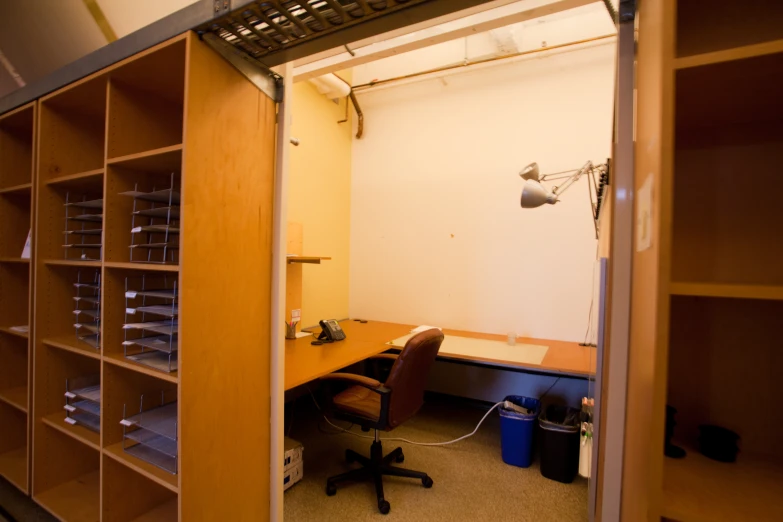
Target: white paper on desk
(423, 328)
(485, 349)
(299, 335)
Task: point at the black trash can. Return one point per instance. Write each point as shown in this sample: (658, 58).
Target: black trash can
(559, 443)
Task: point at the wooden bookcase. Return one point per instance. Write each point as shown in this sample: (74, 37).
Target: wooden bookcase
(708, 295)
(175, 113)
(17, 146)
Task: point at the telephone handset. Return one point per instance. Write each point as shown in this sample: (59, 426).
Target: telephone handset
(331, 331)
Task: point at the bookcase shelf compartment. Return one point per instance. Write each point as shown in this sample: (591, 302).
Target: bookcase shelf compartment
(16, 147)
(73, 129)
(714, 25)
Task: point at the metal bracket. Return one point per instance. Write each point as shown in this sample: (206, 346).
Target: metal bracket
(269, 82)
(221, 7)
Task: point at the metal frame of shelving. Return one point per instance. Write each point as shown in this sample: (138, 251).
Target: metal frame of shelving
(204, 13)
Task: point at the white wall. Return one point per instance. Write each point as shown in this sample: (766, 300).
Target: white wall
(437, 234)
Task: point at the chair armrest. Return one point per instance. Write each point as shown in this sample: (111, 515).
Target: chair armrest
(388, 356)
(371, 384)
(351, 378)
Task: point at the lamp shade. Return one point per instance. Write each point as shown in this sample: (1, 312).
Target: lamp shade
(530, 172)
(534, 195)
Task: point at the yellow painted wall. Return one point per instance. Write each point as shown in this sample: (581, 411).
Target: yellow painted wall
(320, 199)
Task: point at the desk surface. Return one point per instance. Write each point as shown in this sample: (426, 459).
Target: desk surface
(305, 362)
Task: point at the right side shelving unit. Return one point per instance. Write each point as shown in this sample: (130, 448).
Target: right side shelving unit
(719, 274)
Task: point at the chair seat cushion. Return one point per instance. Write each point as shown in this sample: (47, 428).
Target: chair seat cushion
(360, 401)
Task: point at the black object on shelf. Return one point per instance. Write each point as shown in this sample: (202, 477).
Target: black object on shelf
(718, 443)
(669, 449)
(559, 443)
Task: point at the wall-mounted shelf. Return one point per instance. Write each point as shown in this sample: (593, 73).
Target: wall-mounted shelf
(315, 260)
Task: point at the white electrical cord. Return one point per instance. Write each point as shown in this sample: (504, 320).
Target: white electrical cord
(343, 430)
(420, 443)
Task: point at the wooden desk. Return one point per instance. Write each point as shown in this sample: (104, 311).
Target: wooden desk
(305, 362)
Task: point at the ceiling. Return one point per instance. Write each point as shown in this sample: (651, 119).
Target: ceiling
(72, 30)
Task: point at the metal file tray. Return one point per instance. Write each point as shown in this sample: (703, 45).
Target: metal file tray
(94, 203)
(93, 340)
(94, 313)
(164, 293)
(93, 327)
(158, 360)
(86, 218)
(85, 232)
(161, 327)
(85, 406)
(151, 434)
(96, 300)
(160, 229)
(169, 196)
(161, 343)
(166, 311)
(94, 286)
(171, 212)
(161, 420)
(164, 245)
(81, 246)
(83, 402)
(90, 392)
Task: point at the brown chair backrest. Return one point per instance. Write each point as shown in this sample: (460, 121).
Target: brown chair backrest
(408, 376)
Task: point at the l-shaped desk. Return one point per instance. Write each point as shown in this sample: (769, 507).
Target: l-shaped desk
(305, 362)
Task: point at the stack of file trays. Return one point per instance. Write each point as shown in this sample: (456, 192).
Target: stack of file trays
(83, 402)
(151, 435)
(87, 307)
(155, 224)
(83, 228)
(151, 322)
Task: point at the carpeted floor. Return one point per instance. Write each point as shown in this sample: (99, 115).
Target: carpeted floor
(471, 480)
(16, 506)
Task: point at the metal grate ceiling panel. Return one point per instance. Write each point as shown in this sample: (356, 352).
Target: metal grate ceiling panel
(261, 29)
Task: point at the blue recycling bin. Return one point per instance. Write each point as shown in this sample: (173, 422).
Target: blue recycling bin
(516, 431)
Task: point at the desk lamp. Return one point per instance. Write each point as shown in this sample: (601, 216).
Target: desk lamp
(534, 194)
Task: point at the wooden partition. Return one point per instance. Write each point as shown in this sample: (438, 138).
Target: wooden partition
(708, 294)
(175, 118)
(17, 213)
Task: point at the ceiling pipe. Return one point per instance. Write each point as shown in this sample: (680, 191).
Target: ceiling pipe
(462, 65)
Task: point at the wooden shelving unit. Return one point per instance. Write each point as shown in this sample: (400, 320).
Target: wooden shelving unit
(17, 146)
(175, 113)
(708, 295)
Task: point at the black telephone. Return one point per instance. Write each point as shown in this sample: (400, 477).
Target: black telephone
(331, 331)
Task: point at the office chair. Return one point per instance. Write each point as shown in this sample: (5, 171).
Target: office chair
(383, 406)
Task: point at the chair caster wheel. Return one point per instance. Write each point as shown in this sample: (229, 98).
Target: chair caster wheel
(384, 507)
(400, 458)
(349, 457)
(331, 490)
(426, 482)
